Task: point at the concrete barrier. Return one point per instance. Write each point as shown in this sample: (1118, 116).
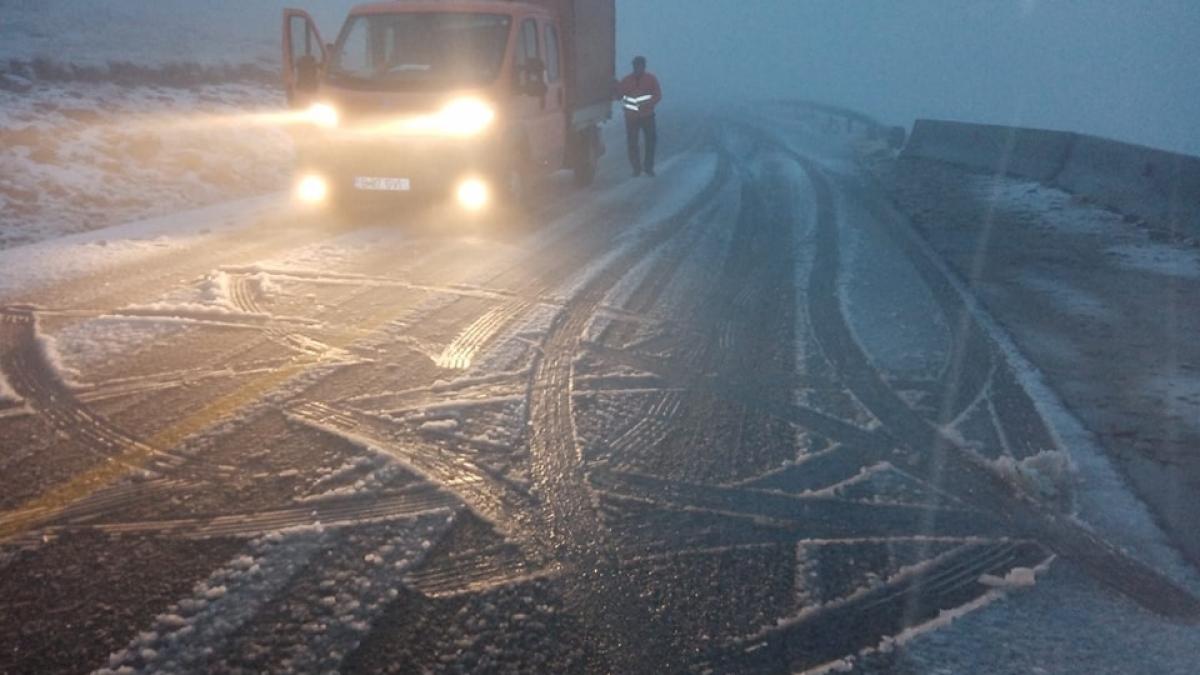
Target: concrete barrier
(1162, 188)
(837, 111)
(1030, 153)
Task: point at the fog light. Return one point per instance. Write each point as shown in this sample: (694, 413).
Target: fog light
(312, 189)
(473, 194)
(323, 115)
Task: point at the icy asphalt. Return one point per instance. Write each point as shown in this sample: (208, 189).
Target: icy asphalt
(734, 419)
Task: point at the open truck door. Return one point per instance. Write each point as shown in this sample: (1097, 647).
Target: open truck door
(304, 57)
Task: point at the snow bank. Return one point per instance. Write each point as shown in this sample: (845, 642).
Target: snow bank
(213, 298)
(48, 345)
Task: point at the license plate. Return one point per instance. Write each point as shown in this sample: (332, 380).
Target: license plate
(382, 184)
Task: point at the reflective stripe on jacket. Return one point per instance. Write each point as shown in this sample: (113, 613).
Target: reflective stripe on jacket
(640, 95)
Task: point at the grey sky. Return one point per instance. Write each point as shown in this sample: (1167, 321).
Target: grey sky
(1128, 69)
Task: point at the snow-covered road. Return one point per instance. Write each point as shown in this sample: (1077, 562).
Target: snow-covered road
(734, 419)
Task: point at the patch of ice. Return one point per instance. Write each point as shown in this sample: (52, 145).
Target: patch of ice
(510, 354)
(1157, 258)
(1072, 299)
(1180, 392)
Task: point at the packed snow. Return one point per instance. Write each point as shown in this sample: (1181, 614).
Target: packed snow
(1017, 577)
(1041, 475)
(28, 268)
(81, 347)
(213, 298)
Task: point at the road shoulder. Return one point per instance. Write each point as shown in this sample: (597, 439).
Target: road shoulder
(1103, 307)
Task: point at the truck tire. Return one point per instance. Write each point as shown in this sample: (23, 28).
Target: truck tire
(345, 207)
(511, 184)
(584, 164)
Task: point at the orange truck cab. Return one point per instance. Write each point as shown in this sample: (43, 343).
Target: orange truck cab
(470, 99)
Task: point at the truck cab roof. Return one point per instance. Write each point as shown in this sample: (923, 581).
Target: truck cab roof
(464, 6)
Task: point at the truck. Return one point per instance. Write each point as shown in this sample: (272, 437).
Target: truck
(471, 100)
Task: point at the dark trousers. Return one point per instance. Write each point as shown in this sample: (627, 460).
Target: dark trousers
(634, 127)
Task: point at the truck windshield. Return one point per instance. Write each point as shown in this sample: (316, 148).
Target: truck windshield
(420, 50)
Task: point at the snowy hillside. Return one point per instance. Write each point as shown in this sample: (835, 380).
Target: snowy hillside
(152, 32)
(127, 109)
(81, 156)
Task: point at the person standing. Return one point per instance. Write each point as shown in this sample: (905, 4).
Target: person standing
(640, 94)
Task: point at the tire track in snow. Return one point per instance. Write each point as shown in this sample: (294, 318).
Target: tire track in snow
(244, 295)
(574, 533)
(490, 495)
(473, 483)
(827, 634)
(331, 513)
(252, 389)
(26, 365)
(932, 456)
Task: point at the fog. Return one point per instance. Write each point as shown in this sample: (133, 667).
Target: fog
(1126, 69)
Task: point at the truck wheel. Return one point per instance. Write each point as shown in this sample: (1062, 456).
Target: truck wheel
(512, 180)
(513, 186)
(343, 206)
(585, 159)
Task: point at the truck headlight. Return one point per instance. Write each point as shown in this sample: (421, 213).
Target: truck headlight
(466, 117)
(312, 189)
(473, 194)
(322, 115)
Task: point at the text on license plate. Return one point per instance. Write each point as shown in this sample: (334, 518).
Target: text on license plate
(389, 184)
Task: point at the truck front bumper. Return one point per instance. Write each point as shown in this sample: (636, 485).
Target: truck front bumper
(413, 166)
